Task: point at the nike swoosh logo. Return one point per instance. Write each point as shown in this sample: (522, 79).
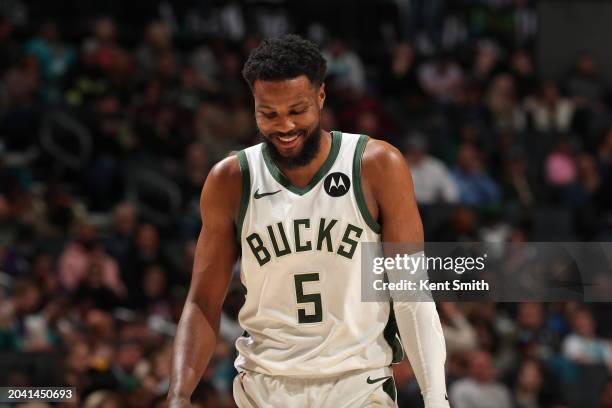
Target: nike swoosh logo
(257, 196)
(370, 381)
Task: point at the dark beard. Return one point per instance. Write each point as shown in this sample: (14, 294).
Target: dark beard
(312, 142)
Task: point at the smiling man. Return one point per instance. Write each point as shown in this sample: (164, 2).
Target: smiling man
(296, 209)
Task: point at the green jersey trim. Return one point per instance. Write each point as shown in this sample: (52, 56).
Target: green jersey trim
(389, 388)
(284, 181)
(357, 188)
(245, 192)
(391, 335)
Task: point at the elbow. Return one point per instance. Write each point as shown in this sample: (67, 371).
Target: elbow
(210, 312)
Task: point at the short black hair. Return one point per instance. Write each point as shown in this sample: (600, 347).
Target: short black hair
(286, 57)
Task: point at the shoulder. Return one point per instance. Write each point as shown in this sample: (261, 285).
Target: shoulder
(223, 183)
(226, 173)
(380, 158)
(227, 170)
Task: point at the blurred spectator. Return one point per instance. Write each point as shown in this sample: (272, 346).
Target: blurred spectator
(119, 240)
(502, 103)
(44, 273)
(560, 167)
(155, 292)
(480, 390)
(518, 186)
(103, 44)
(460, 226)
(158, 373)
(214, 130)
(94, 291)
(582, 346)
(531, 331)
(84, 256)
(475, 186)
(587, 196)
(366, 114)
(128, 356)
(486, 62)
(441, 78)
(77, 363)
(401, 78)
(54, 57)
(432, 181)
(103, 181)
(494, 229)
(229, 79)
(157, 40)
(491, 329)
(59, 212)
(31, 331)
(585, 191)
(145, 253)
(525, 22)
(585, 84)
(344, 67)
(191, 91)
(523, 73)
(548, 111)
(19, 101)
(206, 67)
(458, 333)
(167, 68)
(425, 22)
(530, 390)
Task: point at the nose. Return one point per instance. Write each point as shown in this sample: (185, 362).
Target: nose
(285, 125)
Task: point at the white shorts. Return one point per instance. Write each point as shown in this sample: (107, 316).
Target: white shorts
(357, 389)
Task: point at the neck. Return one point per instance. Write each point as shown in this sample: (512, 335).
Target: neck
(301, 176)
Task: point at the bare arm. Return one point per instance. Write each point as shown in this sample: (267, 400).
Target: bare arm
(390, 197)
(215, 254)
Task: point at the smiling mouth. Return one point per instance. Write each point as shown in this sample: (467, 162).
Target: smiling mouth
(289, 139)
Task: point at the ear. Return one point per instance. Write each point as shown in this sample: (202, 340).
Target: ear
(321, 96)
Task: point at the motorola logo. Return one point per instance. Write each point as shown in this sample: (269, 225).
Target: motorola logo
(337, 184)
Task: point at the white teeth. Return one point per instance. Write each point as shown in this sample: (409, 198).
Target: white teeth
(288, 139)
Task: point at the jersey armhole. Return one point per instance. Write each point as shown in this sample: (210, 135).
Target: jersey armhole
(245, 191)
(357, 188)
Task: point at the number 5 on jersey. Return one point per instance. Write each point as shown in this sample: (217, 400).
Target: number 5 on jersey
(314, 298)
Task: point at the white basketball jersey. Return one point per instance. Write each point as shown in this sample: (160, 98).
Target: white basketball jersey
(303, 315)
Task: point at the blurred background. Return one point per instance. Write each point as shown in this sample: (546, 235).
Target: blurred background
(112, 113)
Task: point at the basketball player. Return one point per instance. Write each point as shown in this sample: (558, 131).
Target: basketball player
(296, 208)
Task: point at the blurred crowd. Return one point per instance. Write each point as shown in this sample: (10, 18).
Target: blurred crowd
(109, 125)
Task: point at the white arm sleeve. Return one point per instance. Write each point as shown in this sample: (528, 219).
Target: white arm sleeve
(422, 337)
(423, 342)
